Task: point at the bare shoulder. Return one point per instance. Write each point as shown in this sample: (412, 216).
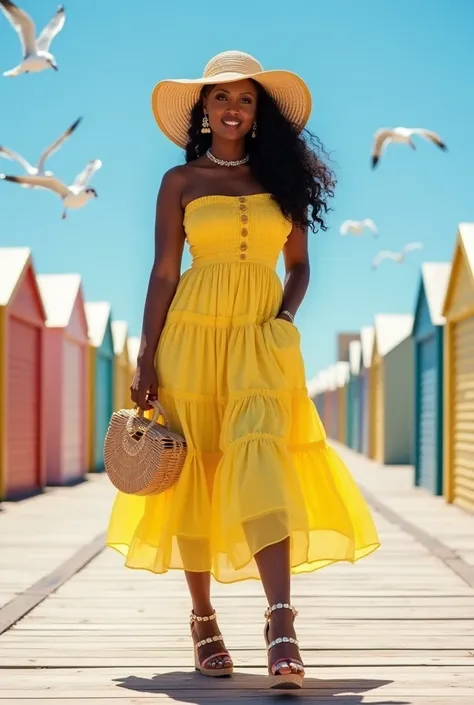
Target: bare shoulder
(175, 178)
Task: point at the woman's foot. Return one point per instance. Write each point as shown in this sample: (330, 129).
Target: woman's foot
(284, 659)
(211, 656)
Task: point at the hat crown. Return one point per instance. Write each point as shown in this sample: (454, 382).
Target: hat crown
(232, 62)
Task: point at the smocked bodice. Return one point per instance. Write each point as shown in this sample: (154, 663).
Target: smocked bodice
(235, 229)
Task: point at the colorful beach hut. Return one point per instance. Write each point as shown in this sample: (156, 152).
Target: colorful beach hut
(353, 395)
(458, 404)
(330, 402)
(342, 378)
(22, 401)
(367, 345)
(316, 389)
(133, 346)
(101, 380)
(66, 378)
(121, 365)
(428, 329)
(391, 390)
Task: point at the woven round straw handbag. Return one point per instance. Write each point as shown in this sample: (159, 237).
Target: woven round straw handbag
(142, 456)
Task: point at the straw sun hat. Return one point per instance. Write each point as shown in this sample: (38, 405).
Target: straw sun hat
(173, 99)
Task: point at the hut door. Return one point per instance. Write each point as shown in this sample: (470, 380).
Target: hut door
(463, 413)
(73, 411)
(428, 421)
(23, 408)
(104, 403)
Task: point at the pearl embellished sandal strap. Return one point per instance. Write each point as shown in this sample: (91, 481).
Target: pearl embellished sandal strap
(280, 606)
(282, 640)
(209, 640)
(207, 618)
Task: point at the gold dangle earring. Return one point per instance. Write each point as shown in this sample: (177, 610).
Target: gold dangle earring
(205, 129)
(254, 129)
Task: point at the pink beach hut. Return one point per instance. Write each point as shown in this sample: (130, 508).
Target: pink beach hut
(66, 378)
(22, 401)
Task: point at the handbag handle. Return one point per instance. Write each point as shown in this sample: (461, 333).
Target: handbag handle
(158, 410)
(129, 444)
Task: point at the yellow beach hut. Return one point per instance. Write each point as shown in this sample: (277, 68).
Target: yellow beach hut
(121, 365)
(458, 435)
(391, 390)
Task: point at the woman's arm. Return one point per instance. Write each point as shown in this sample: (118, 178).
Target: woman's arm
(164, 278)
(295, 254)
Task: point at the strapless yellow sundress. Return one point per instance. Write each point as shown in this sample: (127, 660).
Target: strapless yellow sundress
(232, 380)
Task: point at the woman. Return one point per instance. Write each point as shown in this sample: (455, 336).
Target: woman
(261, 494)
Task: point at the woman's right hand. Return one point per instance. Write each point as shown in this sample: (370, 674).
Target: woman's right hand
(144, 387)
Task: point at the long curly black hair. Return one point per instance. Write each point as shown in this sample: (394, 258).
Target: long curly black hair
(290, 166)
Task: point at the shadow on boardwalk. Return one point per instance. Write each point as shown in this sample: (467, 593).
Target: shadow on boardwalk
(193, 688)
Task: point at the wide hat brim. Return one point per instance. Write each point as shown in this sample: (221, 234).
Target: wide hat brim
(173, 99)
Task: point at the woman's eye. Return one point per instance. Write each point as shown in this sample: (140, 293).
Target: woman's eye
(220, 96)
(247, 100)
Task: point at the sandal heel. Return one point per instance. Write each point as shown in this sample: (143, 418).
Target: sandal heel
(283, 681)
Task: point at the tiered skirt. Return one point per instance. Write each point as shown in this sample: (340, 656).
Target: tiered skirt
(258, 468)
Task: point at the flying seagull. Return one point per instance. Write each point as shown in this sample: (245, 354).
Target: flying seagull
(357, 227)
(36, 54)
(39, 168)
(398, 257)
(74, 196)
(401, 135)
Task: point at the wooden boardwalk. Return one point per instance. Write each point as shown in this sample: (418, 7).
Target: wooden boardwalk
(395, 629)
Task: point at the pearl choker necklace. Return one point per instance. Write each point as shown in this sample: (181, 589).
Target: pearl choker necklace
(224, 162)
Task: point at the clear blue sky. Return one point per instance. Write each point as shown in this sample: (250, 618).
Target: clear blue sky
(369, 63)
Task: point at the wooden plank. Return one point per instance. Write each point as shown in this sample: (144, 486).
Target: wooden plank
(396, 629)
(39, 591)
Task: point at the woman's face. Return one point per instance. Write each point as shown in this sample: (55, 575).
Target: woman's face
(232, 108)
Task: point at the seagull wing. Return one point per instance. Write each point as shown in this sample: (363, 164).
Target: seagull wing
(413, 246)
(55, 146)
(51, 30)
(381, 138)
(346, 227)
(384, 254)
(86, 175)
(21, 23)
(10, 154)
(51, 183)
(369, 223)
(429, 135)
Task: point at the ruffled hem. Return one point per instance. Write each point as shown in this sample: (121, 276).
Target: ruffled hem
(306, 494)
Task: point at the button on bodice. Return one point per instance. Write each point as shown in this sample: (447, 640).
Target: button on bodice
(235, 229)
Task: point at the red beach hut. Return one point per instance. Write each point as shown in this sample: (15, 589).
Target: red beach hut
(22, 402)
(66, 378)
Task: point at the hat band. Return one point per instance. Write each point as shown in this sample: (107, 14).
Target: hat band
(226, 76)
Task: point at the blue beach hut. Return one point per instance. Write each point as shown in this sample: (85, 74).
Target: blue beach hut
(101, 381)
(428, 330)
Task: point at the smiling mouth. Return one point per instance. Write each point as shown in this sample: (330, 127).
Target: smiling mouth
(234, 124)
